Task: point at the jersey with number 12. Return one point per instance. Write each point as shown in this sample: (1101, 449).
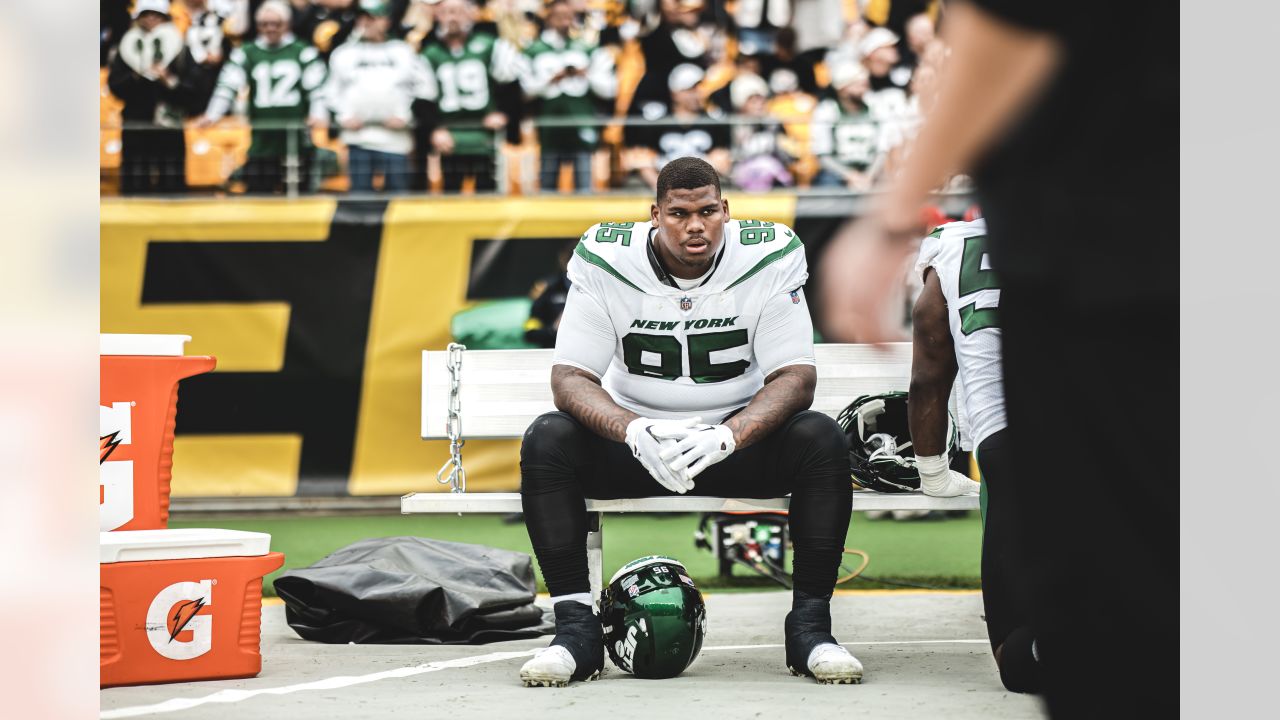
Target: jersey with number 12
(664, 352)
(283, 81)
(958, 253)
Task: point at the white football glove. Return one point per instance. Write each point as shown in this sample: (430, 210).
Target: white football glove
(937, 479)
(700, 450)
(647, 437)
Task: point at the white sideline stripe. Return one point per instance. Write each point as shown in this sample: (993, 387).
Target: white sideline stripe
(870, 642)
(333, 683)
(341, 681)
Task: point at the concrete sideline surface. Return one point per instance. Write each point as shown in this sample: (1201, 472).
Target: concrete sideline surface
(925, 655)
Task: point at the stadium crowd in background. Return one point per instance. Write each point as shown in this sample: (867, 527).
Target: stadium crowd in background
(774, 93)
(284, 77)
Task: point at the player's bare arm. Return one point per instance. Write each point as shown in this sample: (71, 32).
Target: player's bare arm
(580, 394)
(933, 369)
(786, 392)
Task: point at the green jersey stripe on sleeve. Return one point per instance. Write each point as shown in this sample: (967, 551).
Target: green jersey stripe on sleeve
(582, 252)
(768, 260)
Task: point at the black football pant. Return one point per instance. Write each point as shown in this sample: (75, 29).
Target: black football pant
(562, 463)
(1003, 607)
(1098, 537)
(1004, 596)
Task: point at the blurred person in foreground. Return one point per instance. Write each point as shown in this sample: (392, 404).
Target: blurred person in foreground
(569, 76)
(284, 77)
(631, 407)
(159, 83)
(468, 65)
(375, 83)
(1067, 136)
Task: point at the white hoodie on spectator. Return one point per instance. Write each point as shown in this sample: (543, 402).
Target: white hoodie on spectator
(373, 82)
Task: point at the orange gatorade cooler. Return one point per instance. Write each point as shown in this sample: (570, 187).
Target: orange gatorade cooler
(137, 409)
(180, 605)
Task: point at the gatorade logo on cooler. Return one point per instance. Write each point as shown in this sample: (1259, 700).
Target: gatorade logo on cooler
(175, 626)
(115, 476)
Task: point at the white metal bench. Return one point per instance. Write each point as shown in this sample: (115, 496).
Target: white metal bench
(496, 394)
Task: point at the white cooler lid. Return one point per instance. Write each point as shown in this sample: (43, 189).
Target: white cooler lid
(140, 545)
(165, 345)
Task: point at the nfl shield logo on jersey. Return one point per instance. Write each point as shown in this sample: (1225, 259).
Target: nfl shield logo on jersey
(686, 303)
(795, 296)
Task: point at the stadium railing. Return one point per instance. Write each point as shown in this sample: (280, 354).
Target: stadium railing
(496, 394)
(213, 158)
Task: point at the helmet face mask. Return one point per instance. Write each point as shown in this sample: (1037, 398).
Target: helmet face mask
(881, 456)
(654, 618)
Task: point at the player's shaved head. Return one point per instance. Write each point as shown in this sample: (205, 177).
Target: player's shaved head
(686, 173)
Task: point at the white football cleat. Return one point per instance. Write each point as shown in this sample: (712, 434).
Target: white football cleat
(833, 665)
(551, 667)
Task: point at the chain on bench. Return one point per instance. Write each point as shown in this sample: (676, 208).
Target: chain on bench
(456, 474)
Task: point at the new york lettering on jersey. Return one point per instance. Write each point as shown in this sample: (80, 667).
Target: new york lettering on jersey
(674, 352)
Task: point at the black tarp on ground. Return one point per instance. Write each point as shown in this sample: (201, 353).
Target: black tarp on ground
(414, 590)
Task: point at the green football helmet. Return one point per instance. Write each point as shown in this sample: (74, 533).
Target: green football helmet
(880, 453)
(654, 617)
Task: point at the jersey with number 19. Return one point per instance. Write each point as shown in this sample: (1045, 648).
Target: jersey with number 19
(958, 253)
(664, 352)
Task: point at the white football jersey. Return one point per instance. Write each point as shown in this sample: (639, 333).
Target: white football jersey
(664, 352)
(958, 253)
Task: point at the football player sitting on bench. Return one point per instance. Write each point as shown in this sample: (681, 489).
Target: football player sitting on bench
(684, 364)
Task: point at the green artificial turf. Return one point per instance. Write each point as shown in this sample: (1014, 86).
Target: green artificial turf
(936, 553)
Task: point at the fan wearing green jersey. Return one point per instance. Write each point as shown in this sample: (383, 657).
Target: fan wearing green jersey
(568, 75)
(284, 77)
(468, 66)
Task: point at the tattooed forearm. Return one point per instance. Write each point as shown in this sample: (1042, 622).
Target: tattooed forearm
(785, 393)
(578, 393)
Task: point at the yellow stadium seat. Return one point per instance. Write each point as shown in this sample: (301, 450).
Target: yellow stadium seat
(795, 110)
(205, 166)
(340, 183)
(109, 149)
(630, 68)
(109, 106)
